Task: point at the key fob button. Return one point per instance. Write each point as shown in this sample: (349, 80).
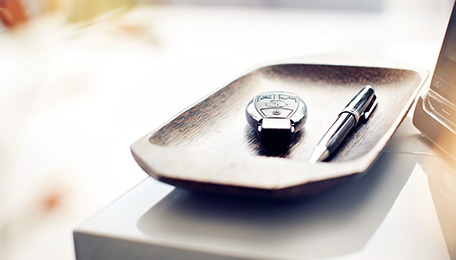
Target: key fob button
(276, 103)
(276, 112)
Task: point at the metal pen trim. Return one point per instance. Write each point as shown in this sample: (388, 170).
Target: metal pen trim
(320, 153)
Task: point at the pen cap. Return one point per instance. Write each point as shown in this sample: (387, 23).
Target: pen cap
(362, 104)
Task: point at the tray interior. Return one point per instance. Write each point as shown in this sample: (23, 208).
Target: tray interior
(218, 124)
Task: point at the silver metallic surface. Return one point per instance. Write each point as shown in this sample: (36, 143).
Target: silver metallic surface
(276, 107)
(320, 153)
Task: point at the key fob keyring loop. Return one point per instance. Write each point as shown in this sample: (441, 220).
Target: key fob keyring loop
(276, 115)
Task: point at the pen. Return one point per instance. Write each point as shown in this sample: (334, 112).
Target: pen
(359, 108)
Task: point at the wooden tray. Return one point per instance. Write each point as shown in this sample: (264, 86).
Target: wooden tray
(210, 147)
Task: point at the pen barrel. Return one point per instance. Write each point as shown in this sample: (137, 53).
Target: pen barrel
(338, 131)
(360, 107)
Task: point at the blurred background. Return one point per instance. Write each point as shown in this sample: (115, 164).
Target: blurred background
(80, 80)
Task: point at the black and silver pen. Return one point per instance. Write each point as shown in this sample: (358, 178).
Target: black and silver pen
(359, 108)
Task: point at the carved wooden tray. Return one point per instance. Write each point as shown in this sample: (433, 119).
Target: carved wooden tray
(210, 147)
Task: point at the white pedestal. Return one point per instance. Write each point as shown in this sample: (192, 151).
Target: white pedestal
(388, 213)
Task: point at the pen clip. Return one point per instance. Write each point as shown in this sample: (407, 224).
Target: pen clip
(370, 108)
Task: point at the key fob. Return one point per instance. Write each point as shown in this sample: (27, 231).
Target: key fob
(276, 115)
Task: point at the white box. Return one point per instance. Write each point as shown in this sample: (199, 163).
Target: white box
(371, 218)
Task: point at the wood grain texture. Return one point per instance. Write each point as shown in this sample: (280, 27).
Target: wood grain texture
(218, 123)
(215, 131)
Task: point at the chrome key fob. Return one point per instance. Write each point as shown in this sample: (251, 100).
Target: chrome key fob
(276, 115)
